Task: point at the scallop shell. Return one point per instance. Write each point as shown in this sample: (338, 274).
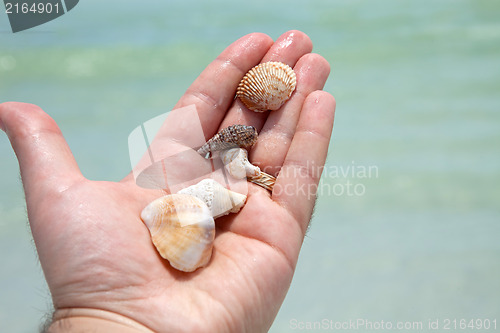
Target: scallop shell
(230, 137)
(237, 165)
(267, 86)
(219, 200)
(182, 229)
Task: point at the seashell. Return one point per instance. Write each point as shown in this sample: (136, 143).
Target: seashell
(230, 137)
(267, 86)
(182, 229)
(264, 180)
(219, 200)
(237, 165)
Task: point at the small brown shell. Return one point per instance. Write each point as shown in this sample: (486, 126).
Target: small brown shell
(264, 180)
(230, 137)
(267, 86)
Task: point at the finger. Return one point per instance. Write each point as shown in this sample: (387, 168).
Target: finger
(198, 114)
(287, 49)
(45, 160)
(297, 182)
(213, 91)
(275, 138)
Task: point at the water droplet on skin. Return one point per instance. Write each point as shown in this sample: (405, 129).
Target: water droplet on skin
(271, 141)
(287, 41)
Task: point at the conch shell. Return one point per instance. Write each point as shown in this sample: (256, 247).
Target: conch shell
(237, 165)
(230, 137)
(267, 86)
(182, 229)
(220, 201)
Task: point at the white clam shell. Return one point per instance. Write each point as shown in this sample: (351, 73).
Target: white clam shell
(237, 165)
(219, 200)
(182, 229)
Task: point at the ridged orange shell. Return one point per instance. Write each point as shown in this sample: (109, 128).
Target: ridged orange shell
(182, 229)
(267, 86)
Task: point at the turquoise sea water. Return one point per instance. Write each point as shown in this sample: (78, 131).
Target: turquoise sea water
(408, 224)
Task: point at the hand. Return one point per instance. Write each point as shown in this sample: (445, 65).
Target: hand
(96, 253)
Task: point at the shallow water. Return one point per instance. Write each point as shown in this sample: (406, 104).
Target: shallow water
(415, 239)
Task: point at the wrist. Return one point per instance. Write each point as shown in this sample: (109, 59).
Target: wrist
(93, 320)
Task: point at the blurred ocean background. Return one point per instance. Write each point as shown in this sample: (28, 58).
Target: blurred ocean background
(408, 224)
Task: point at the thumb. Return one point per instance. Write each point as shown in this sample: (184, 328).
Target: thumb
(45, 159)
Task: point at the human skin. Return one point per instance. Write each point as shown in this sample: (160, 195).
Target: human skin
(103, 271)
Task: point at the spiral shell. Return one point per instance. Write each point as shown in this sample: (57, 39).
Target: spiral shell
(230, 137)
(267, 86)
(219, 200)
(182, 229)
(264, 180)
(237, 165)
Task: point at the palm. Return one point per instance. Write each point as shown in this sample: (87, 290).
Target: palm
(106, 253)
(97, 253)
